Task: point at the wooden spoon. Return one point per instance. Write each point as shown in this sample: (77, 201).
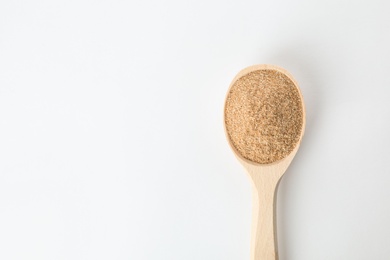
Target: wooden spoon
(265, 177)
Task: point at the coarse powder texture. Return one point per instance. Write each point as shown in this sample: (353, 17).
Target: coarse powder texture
(264, 116)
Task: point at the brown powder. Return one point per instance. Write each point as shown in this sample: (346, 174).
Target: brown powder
(264, 116)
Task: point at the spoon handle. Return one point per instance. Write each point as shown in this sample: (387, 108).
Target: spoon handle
(264, 243)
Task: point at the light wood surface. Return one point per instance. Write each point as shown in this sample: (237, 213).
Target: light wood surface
(265, 179)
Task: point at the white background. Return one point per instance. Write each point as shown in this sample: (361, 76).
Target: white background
(111, 134)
